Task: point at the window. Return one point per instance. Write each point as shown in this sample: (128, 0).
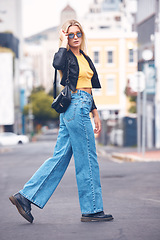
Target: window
(111, 86)
(131, 56)
(96, 57)
(109, 1)
(118, 18)
(104, 27)
(110, 56)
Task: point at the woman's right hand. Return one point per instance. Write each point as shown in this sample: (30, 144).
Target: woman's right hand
(64, 38)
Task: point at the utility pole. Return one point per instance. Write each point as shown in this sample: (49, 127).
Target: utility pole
(146, 55)
(157, 65)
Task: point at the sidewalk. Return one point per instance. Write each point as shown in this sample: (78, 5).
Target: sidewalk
(134, 156)
(128, 154)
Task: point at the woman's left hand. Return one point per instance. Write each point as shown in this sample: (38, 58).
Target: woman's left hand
(97, 121)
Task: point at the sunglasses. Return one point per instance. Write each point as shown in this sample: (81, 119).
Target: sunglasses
(72, 35)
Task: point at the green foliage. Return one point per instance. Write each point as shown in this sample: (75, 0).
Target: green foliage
(132, 98)
(50, 93)
(132, 109)
(38, 89)
(40, 103)
(26, 109)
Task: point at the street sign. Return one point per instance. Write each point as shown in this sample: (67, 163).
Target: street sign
(137, 81)
(151, 79)
(147, 54)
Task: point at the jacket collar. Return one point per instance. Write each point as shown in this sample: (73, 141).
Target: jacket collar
(74, 54)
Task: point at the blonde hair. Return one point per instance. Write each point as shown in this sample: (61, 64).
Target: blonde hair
(70, 23)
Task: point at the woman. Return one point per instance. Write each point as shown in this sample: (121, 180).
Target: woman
(76, 135)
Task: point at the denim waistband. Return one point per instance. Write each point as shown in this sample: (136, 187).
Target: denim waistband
(81, 93)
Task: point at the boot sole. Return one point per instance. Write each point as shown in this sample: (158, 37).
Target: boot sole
(20, 209)
(89, 219)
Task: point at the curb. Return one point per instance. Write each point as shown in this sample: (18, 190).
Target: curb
(132, 158)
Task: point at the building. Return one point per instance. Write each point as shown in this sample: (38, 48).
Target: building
(114, 56)
(148, 27)
(67, 13)
(40, 48)
(129, 9)
(112, 45)
(112, 15)
(10, 54)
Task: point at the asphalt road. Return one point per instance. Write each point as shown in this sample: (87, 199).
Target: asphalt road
(131, 192)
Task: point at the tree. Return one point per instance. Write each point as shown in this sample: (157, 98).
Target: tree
(38, 89)
(40, 103)
(50, 93)
(132, 96)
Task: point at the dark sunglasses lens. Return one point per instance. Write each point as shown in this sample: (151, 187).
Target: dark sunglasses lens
(79, 34)
(71, 35)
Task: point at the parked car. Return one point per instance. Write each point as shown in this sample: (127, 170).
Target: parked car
(9, 138)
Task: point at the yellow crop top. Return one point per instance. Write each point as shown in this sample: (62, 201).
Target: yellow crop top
(85, 73)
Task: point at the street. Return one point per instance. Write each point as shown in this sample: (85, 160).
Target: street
(131, 193)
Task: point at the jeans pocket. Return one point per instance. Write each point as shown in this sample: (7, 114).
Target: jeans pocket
(86, 106)
(70, 112)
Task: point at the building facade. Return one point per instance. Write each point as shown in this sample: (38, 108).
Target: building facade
(114, 56)
(112, 15)
(148, 27)
(40, 48)
(11, 33)
(112, 45)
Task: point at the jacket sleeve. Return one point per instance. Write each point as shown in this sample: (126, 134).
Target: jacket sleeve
(93, 104)
(59, 61)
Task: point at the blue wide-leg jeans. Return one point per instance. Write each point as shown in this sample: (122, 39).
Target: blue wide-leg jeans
(75, 137)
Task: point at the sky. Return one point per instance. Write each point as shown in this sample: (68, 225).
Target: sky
(38, 15)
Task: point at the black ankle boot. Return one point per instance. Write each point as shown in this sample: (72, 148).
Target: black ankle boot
(96, 217)
(23, 205)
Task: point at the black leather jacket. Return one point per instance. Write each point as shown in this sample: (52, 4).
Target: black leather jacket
(60, 62)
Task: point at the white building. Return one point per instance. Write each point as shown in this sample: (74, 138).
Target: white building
(129, 8)
(109, 15)
(11, 17)
(10, 28)
(41, 48)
